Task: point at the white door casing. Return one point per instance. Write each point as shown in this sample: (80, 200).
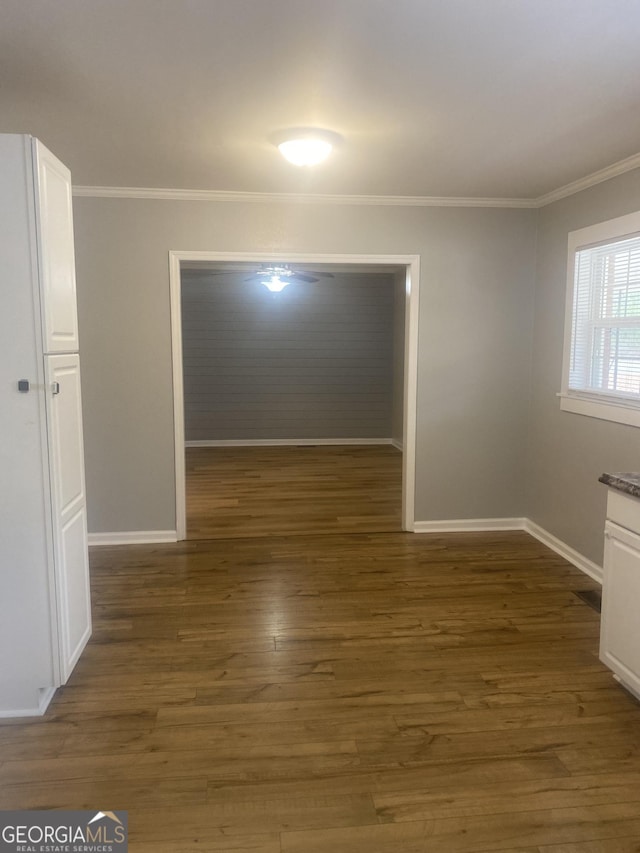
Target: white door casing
(411, 263)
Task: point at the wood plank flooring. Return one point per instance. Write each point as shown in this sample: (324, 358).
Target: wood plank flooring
(368, 693)
(235, 492)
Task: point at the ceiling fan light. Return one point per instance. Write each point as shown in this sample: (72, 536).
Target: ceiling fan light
(305, 151)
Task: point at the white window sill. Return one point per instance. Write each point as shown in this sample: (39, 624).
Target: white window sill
(605, 410)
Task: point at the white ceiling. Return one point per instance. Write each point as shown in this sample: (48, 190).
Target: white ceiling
(472, 98)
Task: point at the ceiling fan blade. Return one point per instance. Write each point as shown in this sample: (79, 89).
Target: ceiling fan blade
(301, 276)
(287, 273)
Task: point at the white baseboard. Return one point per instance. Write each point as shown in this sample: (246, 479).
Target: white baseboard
(284, 442)
(397, 444)
(578, 560)
(134, 537)
(22, 712)
(45, 697)
(469, 525)
(458, 525)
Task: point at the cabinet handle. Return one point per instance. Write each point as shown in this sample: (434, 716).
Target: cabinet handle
(55, 387)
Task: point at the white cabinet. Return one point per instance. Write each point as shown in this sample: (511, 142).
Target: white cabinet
(620, 626)
(54, 218)
(45, 618)
(66, 462)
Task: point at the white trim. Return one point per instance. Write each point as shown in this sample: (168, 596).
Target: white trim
(397, 444)
(175, 285)
(621, 681)
(602, 409)
(46, 695)
(411, 263)
(285, 442)
(469, 525)
(607, 406)
(133, 537)
(298, 198)
(459, 525)
(612, 171)
(570, 554)
(410, 392)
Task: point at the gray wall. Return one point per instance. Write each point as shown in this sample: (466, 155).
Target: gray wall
(568, 452)
(313, 361)
(474, 340)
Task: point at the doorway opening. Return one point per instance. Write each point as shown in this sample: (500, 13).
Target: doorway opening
(239, 462)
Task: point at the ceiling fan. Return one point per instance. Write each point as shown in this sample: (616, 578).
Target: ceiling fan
(278, 276)
(275, 276)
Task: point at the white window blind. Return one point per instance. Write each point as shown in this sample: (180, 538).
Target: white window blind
(605, 329)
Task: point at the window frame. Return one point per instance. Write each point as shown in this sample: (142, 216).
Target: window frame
(610, 407)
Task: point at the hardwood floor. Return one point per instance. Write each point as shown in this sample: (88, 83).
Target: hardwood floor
(369, 693)
(235, 492)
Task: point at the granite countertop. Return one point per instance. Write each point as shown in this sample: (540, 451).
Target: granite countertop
(628, 483)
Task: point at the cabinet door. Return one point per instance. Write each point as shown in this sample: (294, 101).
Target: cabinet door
(620, 629)
(68, 508)
(56, 253)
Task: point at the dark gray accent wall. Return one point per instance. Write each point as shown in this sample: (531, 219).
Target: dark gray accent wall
(313, 361)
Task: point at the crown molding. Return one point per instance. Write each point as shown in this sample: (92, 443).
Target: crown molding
(619, 168)
(598, 177)
(297, 198)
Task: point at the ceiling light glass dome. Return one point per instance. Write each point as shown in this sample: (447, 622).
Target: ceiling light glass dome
(306, 146)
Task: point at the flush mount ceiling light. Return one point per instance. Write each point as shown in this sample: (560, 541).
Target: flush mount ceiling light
(306, 146)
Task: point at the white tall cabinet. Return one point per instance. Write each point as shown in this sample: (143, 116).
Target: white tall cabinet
(45, 609)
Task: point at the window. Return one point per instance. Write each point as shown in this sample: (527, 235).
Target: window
(601, 375)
